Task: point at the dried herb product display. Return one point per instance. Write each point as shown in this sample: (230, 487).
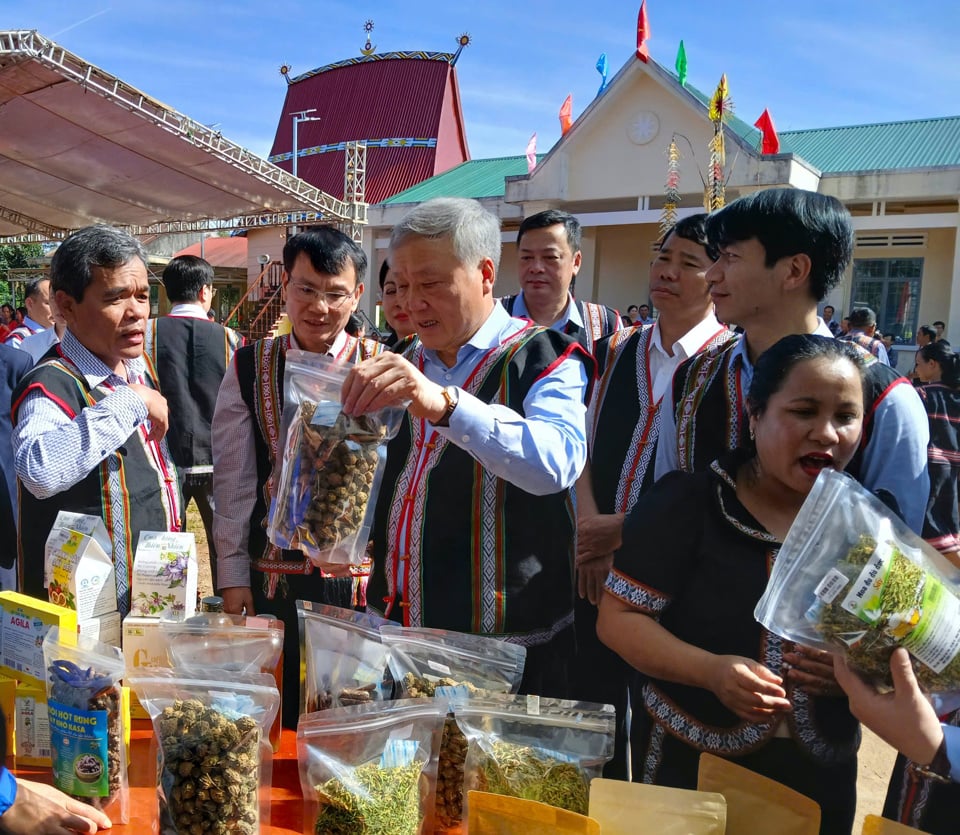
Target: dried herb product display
(524, 772)
(374, 801)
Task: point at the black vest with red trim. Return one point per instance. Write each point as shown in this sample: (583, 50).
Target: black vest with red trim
(598, 321)
(484, 555)
(141, 497)
(709, 406)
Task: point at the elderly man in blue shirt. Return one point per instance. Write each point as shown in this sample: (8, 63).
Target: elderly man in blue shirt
(474, 529)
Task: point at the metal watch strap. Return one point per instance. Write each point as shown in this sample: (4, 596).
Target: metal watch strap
(451, 395)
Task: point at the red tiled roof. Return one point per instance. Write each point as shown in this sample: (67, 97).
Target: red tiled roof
(221, 252)
(409, 104)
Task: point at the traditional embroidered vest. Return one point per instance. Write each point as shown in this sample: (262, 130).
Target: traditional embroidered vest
(260, 375)
(480, 554)
(710, 401)
(191, 356)
(134, 488)
(598, 320)
(624, 419)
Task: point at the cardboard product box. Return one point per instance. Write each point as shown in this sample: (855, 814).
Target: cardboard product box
(24, 624)
(78, 565)
(164, 575)
(8, 703)
(32, 731)
(143, 645)
(105, 628)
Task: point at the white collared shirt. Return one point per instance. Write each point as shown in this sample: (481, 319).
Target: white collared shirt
(663, 366)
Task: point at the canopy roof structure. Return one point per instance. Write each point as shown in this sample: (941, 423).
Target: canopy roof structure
(79, 146)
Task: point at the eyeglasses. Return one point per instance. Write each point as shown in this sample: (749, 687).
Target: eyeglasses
(311, 295)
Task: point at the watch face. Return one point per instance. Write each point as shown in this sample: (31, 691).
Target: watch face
(644, 126)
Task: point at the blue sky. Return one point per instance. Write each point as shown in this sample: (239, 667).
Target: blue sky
(813, 64)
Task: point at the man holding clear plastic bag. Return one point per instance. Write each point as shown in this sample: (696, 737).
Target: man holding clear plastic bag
(474, 526)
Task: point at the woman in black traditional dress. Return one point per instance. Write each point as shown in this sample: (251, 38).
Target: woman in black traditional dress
(697, 552)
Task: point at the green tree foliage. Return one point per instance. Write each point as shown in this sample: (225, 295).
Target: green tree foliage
(13, 257)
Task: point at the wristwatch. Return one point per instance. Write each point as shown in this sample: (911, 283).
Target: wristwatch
(939, 768)
(452, 395)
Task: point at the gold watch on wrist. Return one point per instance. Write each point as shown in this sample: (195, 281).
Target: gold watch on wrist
(939, 767)
(452, 395)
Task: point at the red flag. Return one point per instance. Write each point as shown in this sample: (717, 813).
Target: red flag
(566, 114)
(771, 142)
(643, 33)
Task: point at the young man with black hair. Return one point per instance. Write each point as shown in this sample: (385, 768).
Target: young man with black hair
(548, 248)
(191, 355)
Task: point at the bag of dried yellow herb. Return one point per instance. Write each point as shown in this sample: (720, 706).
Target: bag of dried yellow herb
(453, 666)
(852, 576)
(535, 748)
(344, 660)
(215, 765)
(370, 769)
(325, 490)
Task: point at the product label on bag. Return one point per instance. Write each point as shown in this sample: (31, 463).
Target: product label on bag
(78, 739)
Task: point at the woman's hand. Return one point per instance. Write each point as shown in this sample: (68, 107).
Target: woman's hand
(812, 671)
(748, 688)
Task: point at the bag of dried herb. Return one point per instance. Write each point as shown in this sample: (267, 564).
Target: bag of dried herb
(536, 749)
(369, 769)
(851, 576)
(454, 666)
(332, 465)
(345, 662)
(86, 721)
(216, 762)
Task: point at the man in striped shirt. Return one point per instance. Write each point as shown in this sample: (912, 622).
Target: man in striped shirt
(39, 315)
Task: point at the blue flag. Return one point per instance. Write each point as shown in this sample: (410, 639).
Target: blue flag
(603, 67)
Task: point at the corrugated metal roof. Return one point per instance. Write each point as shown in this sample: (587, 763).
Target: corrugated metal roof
(476, 178)
(921, 143)
(396, 99)
(220, 252)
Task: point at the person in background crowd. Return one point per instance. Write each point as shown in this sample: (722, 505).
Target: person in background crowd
(644, 317)
(38, 344)
(474, 525)
(14, 365)
(548, 249)
(7, 323)
(925, 335)
(863, 328)
(89, 420)
(397, 319)
(633, 314)
(20, 315)
(940, 327)
(828, 313)
(845, 324)
(323, 271)
(191, 355)
(635, 367)
(892, 354)
(696, 558)
(38, 314)
(781, 250)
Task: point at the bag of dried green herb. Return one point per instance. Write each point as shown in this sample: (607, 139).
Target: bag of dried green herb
(345, 663)
(851, 576)
(332, 465)
(451, 665)
(86, 721)
(369, 769)
(215, 764)
(536, 749)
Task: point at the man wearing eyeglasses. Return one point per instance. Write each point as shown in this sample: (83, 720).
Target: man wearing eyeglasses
(322, 283)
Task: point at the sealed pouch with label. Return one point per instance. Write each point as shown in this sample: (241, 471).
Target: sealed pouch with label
(851, 576)
(215, 761)
(617, 806)
(438, 662)
(325, 491)
(344, 660)
(535, 748)
(369, 769)
(494, 814)
(85, 712)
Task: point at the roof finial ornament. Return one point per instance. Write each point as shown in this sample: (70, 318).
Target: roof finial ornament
(285, 72)
(462, 41)
(368, 48)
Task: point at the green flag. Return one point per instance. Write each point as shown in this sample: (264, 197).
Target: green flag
(682, 64)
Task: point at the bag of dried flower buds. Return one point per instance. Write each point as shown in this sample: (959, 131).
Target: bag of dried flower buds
(535, 748)
(332, 465)
(851, 576)
(215, 760)
(345, 663)
(369, 769)
(86, 721)
(453, 666)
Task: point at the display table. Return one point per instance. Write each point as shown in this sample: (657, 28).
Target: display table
(286, 809)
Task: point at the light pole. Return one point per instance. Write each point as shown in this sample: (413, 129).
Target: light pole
(298, 117)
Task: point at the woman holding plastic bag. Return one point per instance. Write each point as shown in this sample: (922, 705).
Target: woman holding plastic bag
(695, 560)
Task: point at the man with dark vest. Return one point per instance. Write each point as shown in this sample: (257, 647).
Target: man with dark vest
(191, 355)
(322, 281)
(863, 332)
(474, 525)
(548, 249)
(635, 368)
(781, 251)
(89, 421)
